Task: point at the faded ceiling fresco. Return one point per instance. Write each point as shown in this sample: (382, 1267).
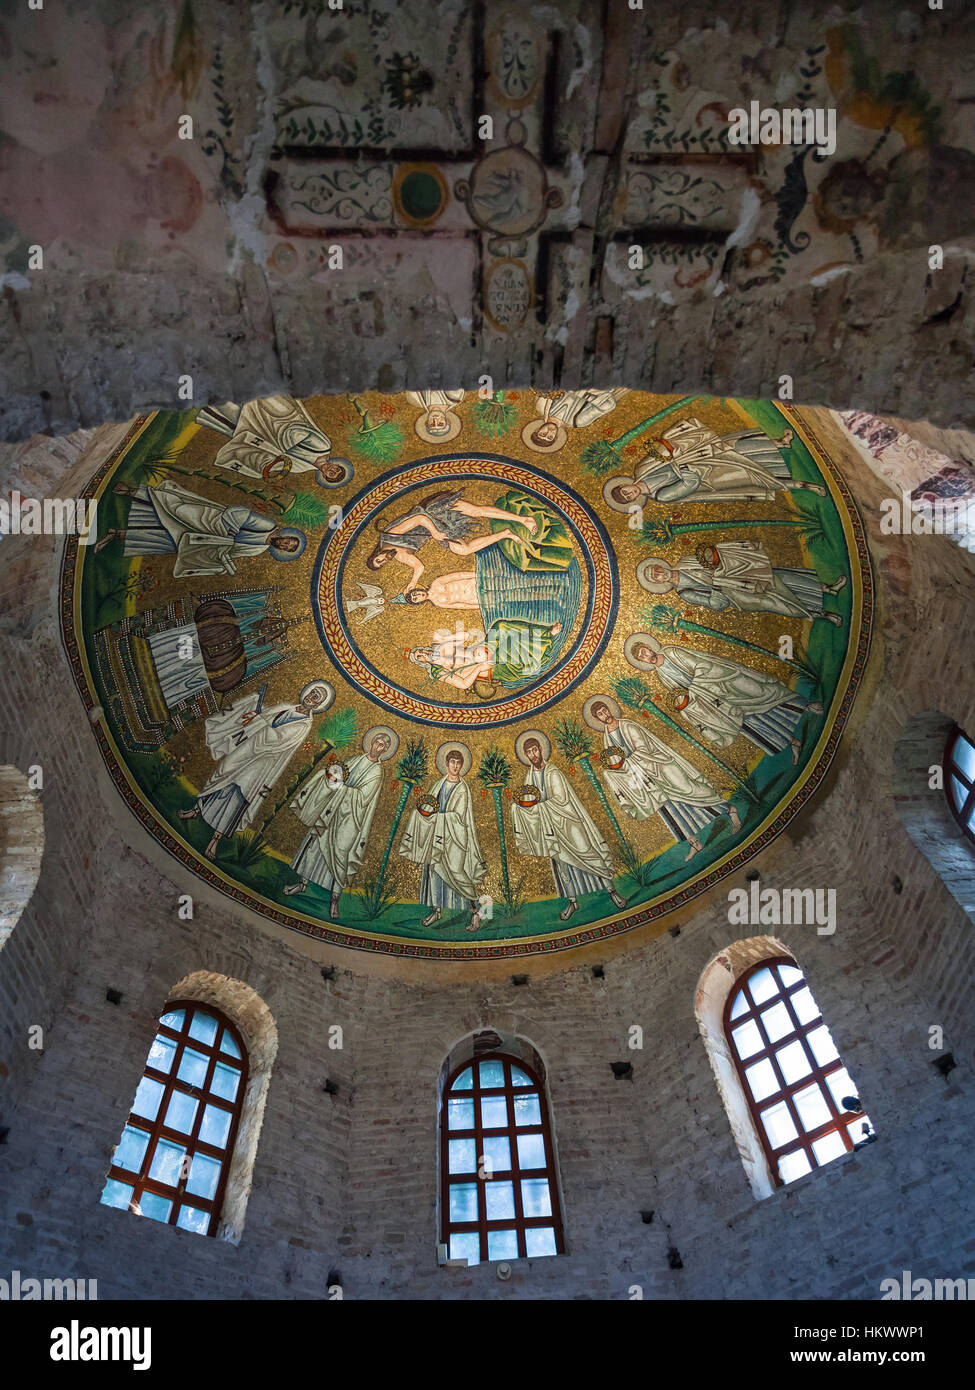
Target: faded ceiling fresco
(461, 677)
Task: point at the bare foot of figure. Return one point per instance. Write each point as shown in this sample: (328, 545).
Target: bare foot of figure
(735, 818)
(475, 922)
(695, 848)
(432, 917)
(211, 849)
(795, 745)
(814, 707)
(294, 888)
(567, 912)
(817, 488)
(836, 586)
(189, 815)
(333, 907)
(124, 490)
(108, 536)
(834, 618)
(786, 440)
(619, 901)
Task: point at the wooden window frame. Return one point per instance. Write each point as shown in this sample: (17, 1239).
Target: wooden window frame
(519, 1222)
(840, 1121)
(962, 817)
(140, 1182)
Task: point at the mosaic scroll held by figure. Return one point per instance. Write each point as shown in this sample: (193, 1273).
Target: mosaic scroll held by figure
(538, 690)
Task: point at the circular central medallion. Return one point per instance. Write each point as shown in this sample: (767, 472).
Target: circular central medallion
(465, 590)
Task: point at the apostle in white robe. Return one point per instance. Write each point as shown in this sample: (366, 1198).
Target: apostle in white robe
(723, 699)
(206, 537)
(271, 438)
(439, 421)
(654, 780)
(556, 415)
(692, 463)
(557, 827)
(444, 842)
(739, 575)
(252, 746)
(339, 807)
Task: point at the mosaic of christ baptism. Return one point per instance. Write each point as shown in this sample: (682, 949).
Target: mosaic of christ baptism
(463, 675)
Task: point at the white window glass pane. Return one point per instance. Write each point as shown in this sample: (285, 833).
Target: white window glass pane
(131, 1149)
(225, 1082)
(174, 1020)
(527, 1110)
(193, 1067)
(181, 1112)
(861, 1128)
(822, 1046)
(494, 1112)
(804, 1005)
(959, 793)
(500, 1199)
(531, 1151)
(161, 1054)
(463, 1201)
(193, 1219)
(540, 1241)
(763, 985)
(536, 1200)
(204, 1176)
(147, 1098)
(228, 1045)
(502, 1245)
(216, 1126)
(794, 1166)
(116, 1194)
(155, 1207)
(811, 1105)
(460, 1114)
(491, 1074)
(464, 1082)
(777, 1022)
(497, 1153)
(520, 1078)
(841, 1086)
(747, 1038)
(166, 1162)
(465, 1245)
(789, 975)
(203, 1027)
(793, 1061)
(740, 1006)
(828, 1148)
(761, 1079)
(461, 1156)
(964, 758)
(778, 1125)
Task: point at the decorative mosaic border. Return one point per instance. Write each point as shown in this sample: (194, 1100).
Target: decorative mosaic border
(497, 950)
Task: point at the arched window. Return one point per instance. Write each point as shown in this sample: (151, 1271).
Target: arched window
(960, 780)
(499, 1195)
(802, 1099)
(174, 1155)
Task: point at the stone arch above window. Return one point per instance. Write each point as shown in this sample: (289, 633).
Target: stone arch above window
(499, 1184)
(222, 1027)
(922, 784)
(21, 846)
(791, 1103)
